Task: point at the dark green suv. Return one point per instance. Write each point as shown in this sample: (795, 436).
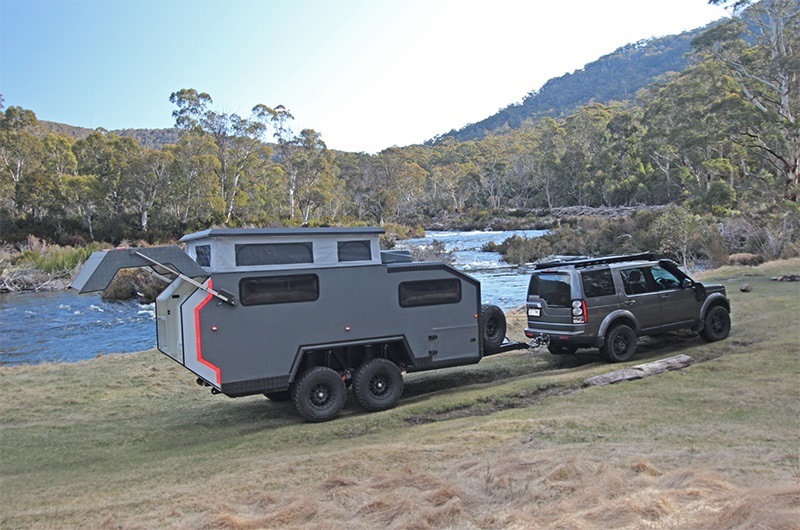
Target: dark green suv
(607, 302)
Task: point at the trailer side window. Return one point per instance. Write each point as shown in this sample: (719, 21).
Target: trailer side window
(355, 250)
(279, 289)
(430, 292)
(203, 253)
(274, 254)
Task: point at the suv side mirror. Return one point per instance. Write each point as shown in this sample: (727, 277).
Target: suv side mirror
(687, 283)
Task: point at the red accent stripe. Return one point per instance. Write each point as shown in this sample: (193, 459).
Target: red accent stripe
(197, 334)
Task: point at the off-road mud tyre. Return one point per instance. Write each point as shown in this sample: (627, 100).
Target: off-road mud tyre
(377, 385)
(561, 349)
(620, 344)
(717, 324)
(319, 394)
(493, 328)
(278, 397)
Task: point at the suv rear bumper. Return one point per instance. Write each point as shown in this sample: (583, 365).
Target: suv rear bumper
(576, 338)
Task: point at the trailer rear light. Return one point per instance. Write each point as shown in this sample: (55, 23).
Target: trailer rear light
(579, 315)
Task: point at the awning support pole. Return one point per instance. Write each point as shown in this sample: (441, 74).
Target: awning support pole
(187, 279)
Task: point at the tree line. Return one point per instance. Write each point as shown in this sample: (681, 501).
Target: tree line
(719, 138)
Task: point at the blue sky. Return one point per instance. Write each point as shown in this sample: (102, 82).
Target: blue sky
(366, 74)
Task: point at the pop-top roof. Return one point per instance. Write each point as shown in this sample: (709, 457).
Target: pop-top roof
(249, 232)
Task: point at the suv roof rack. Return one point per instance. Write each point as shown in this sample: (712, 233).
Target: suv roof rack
(587, 262)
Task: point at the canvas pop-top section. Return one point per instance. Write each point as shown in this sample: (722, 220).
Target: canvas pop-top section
(251, 249)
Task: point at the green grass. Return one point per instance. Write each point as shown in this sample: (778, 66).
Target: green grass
(130, 441)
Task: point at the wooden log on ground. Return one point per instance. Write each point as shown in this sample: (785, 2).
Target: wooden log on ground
(640, 371)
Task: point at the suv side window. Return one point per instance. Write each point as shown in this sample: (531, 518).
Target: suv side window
(598, 283)
(635, 280)
(664, 279)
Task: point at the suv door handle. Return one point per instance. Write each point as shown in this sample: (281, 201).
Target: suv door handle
(629, 303)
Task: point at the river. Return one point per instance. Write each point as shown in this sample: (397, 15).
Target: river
(66, 327)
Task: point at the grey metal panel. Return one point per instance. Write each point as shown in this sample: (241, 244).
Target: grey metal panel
(101, 267)
(354, 304)
(247, 232)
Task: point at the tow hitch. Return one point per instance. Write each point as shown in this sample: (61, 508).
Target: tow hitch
(540, 340)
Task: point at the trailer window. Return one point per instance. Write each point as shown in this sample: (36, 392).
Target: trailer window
(274, 253)
(203, 253)
(430, 292)
(279, 289)
(355, 250)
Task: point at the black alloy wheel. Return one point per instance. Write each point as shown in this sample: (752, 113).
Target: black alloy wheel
(319, 394)
(620, 344)
(717, 325)
(377, 385)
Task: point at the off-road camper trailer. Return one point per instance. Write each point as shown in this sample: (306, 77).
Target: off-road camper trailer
(303, 313)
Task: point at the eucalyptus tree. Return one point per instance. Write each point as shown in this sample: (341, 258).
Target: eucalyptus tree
(688, 137)
(551, 152)
(243, 159)
(453, 176)
(84, 195)
(192, 193)
(146, 182)
(759, 48)
(108, 158)
(20, 156)
(400, 180)
(316, 173)
(521, 154)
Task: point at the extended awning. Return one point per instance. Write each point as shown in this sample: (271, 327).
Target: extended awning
(101, 267)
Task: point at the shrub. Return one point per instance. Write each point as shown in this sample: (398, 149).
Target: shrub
(745, 258)
(134, 283)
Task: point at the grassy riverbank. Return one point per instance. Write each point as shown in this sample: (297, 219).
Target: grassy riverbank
(128, 441)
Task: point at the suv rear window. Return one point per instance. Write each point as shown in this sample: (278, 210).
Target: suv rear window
(553, 288)
(598, 283)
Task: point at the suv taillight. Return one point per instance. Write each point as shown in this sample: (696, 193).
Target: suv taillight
(579, 315)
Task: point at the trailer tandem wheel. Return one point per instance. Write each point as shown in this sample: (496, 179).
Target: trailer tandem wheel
(377, 385)
(319, 394)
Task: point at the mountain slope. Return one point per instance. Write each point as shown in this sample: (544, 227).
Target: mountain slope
(613, 77)
(149, 138)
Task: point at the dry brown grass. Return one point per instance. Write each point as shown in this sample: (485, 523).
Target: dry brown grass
(521, 491)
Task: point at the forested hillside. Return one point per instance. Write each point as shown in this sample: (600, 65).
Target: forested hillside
(148, 138)
(614, 77)
(718, 142)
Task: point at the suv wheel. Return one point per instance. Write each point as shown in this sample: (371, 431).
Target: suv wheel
(620, 344)
(718, 324)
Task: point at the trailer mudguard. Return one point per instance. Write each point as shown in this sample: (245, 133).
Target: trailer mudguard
(100, 268)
